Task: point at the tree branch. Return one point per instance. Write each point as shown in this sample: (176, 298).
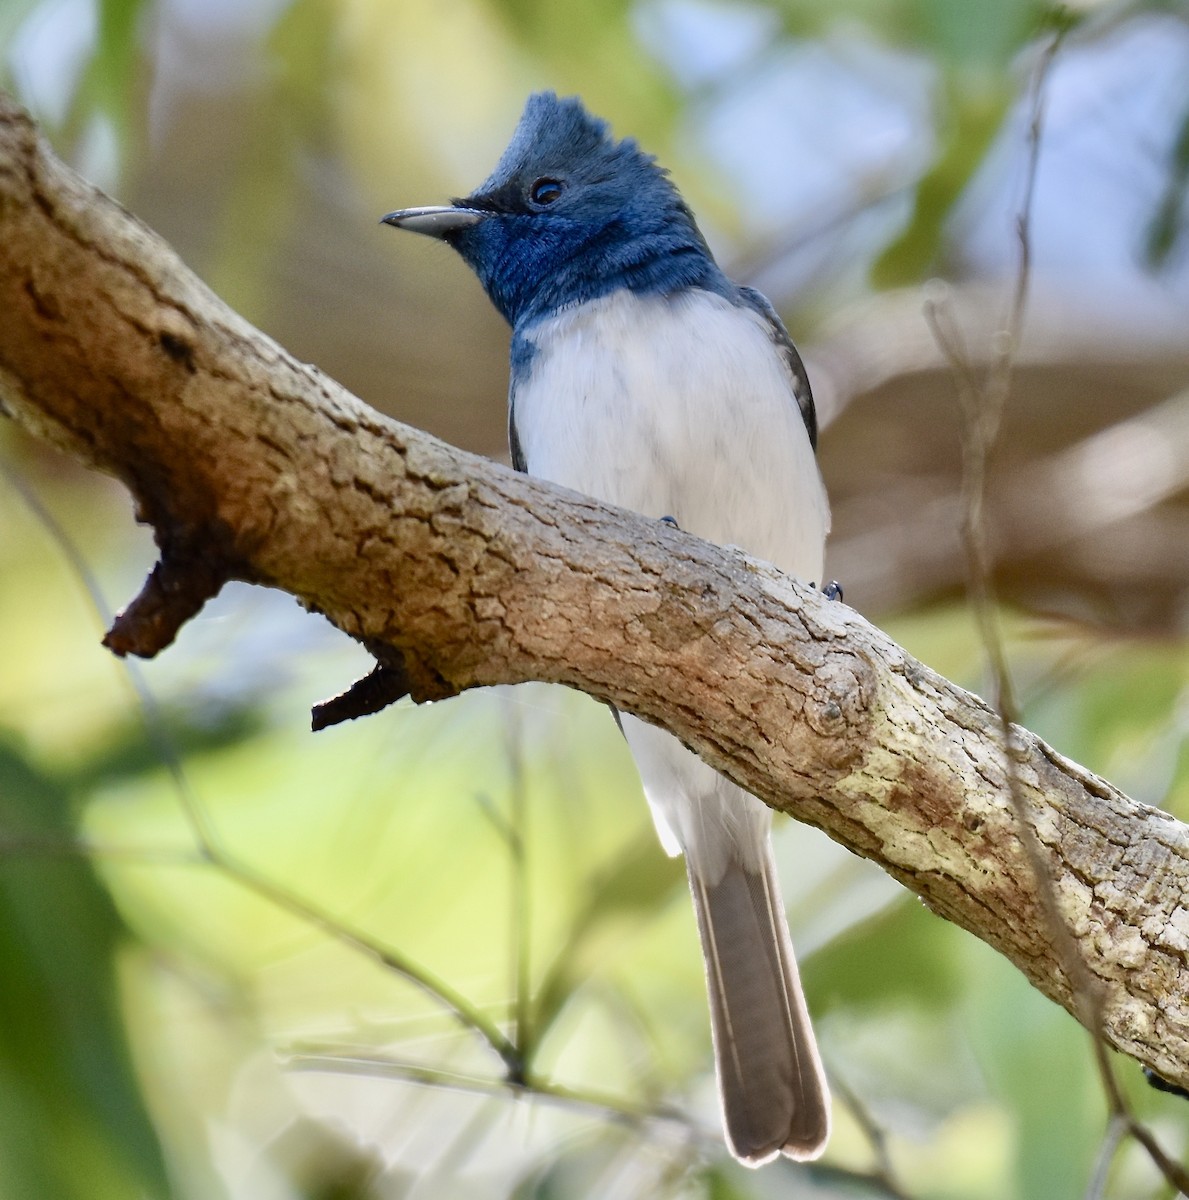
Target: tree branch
(457, 573)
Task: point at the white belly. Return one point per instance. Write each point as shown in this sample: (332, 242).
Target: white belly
(678, 407)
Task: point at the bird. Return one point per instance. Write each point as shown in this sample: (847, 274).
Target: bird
(642, 376)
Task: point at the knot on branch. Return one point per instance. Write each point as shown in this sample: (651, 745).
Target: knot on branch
(839, 708)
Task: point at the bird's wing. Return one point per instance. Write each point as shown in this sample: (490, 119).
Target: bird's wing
(522, 353)
(518, 463)
(760, 303)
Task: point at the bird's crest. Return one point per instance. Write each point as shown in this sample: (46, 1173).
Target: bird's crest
(557, 134)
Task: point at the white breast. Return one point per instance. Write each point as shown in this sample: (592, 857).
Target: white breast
(677, 406)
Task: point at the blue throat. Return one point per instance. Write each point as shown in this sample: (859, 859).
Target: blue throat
(531, 271)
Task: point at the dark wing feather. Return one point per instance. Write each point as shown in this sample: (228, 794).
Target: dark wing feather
(518, 463)
(522, 352)
(750, 298)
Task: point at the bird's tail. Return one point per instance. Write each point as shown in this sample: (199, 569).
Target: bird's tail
(774, 1093)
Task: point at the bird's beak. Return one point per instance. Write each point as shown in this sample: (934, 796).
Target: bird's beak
(434, 222)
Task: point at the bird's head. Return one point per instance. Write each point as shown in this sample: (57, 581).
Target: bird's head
(570, 214)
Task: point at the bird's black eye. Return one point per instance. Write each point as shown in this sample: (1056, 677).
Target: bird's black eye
(546, 191)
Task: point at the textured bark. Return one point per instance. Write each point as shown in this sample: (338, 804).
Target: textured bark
(457, 573)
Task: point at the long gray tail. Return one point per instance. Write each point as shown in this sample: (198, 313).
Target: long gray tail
(774, 1093)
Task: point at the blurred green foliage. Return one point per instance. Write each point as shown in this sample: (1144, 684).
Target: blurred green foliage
(110, 81)
(1167, 229)
(972, 113)
(72, 1120)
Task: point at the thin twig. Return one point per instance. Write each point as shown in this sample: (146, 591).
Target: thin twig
(883, 1173)
(521, 895)
(607, 1108)
(982, 405)
(36, 845)
(437, 989)
(1116, 1131)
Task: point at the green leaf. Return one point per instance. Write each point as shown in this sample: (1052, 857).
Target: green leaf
(905, 947)
(72, 1119)
(109, 83)
(974, 108)
(975, 36)
(1168, 223)
(1038, 1061)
